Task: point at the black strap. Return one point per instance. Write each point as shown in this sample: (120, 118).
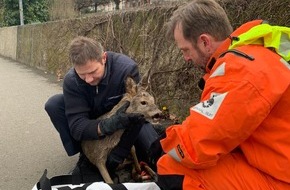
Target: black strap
(45, 183)
(84, 187)
(239, 53)
(118, 187)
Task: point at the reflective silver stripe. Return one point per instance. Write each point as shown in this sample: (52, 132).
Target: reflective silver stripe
(284, 47)
(174, 155)
(285, 63)
(220, 71)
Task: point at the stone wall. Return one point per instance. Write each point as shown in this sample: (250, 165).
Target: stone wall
(138, 33)
(8, 42)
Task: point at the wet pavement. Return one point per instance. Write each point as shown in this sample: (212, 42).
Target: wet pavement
(29, 142)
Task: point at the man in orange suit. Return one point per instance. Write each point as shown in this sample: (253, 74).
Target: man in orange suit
(238, 136)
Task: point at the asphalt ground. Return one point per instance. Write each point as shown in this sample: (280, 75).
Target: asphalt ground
(29, 144)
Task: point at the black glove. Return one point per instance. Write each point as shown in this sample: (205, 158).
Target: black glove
(121, 120)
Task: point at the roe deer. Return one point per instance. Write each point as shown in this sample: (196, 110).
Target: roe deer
(142, 102)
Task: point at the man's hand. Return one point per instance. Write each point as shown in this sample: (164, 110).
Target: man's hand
(121, 120)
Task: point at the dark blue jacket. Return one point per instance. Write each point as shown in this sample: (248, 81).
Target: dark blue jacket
(85, 103)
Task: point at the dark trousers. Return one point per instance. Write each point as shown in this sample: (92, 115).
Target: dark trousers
(54, 107)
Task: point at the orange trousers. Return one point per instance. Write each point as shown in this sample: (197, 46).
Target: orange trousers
(232, 172)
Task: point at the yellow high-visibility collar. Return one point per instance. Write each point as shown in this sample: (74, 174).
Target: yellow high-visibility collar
(274, 37)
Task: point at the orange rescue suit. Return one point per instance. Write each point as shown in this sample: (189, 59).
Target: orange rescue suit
(238, 136)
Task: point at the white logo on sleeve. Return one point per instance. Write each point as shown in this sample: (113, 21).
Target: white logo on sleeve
(210, 107)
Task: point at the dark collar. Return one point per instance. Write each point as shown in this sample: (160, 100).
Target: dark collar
(106, 77)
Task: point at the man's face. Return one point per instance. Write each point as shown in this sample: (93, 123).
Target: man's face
(93, 71)
(191, 52)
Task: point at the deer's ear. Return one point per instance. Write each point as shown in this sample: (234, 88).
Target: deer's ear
(131, 86)
(143, 83)
(141, 87)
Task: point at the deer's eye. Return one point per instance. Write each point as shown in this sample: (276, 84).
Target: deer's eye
(143, 102)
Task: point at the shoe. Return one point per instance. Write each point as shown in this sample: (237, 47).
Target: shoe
(76, 170)
(85, 168)
(113, 162)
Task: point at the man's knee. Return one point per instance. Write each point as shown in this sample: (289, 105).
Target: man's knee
(173, 175)
(148, 147)
(56, 112)
(53, 103)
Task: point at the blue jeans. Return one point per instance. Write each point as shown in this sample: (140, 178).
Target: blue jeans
(143, 138)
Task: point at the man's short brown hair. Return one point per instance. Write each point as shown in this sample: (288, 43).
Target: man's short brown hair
(83, 49)
(199, 17)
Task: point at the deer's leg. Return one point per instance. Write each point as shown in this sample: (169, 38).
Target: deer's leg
(104, 172)
(135, 160)
(138, 168)
(152, 174)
